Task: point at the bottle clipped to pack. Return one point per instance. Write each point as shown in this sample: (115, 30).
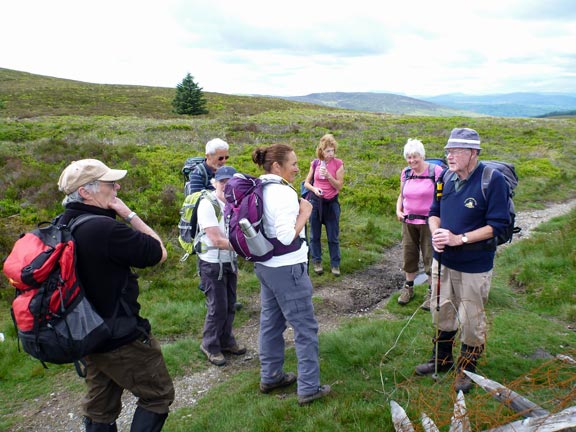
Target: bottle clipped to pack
(322, 165)
(257, 243)
(439, 189)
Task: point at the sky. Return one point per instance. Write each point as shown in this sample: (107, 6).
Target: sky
(297, 47)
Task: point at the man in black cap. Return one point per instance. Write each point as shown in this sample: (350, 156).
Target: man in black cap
(217, 263)
(463, 224)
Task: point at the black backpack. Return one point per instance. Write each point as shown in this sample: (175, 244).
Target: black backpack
(509, 172)
(191, 164)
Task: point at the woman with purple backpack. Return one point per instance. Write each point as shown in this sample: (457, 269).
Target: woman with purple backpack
(286, 289)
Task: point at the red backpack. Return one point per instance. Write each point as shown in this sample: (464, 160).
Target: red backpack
(55, 322)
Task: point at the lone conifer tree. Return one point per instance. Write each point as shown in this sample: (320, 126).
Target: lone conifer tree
(189, 98)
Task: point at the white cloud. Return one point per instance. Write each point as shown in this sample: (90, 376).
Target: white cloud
(298, 47)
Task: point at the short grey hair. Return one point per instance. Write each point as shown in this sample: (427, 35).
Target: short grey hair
(76, 197)
(414, 146)
(216, 144)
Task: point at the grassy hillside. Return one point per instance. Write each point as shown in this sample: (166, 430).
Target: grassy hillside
(25, 95)
(47, 123)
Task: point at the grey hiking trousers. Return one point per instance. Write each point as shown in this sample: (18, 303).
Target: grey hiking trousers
(286, 296)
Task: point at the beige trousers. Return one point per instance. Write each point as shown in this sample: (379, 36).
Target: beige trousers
(462, 300)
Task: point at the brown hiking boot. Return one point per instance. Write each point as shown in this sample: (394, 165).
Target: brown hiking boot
(323, 390)
(286, 380)
(235, 349)
(467, 360)
(318, 268)
(463, 382)
(406, 294)
(216, 359)
(444, 365)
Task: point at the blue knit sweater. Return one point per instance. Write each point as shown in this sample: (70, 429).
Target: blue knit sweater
(465, 210)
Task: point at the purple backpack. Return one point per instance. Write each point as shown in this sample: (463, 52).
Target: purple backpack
(243, 219)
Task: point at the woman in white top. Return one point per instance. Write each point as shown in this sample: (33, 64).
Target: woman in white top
(218, 271)
(286, 289)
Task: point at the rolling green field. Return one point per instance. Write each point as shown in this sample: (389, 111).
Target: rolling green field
(45, 123)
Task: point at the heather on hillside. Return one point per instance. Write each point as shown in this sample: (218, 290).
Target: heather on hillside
(132, 128)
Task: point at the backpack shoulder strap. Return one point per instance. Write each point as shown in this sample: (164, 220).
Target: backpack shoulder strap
(201, 169)
(214, 201)
(407, 172)
(486, 178)
(79, 220)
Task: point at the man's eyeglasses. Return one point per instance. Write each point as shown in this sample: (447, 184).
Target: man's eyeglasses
(455, 152)
(221, 158)
(111, 183)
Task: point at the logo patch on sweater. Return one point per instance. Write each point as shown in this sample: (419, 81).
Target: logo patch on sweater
(470, 203)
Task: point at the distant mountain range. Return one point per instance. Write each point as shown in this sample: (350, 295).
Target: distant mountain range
(382, 103)
(509, 105)
(499, 105)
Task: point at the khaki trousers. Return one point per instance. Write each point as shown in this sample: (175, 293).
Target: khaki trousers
(462, 300)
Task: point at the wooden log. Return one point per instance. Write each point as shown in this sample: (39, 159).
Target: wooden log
(562, 421)
(566, 359)
(460, 421)
(428, 424)
(510, 398)
(400, 419)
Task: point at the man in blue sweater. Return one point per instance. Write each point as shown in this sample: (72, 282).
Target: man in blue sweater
(216, 156)
(463, 224)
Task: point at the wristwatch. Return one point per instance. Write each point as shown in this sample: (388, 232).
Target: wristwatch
(464, 238)
(130, 217)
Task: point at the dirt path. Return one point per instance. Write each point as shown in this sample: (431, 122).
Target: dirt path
(349, 296)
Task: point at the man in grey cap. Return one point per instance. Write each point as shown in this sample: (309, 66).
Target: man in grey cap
(107, 249)
(217, 263)
(463, 224)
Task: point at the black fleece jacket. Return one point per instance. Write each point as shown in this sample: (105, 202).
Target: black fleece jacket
(107, 250)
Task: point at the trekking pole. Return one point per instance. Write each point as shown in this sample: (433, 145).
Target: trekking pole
(435, 374)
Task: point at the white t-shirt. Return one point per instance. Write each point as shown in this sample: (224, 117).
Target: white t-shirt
(281, 208)
(206, 219)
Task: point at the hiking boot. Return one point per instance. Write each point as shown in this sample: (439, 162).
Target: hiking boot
(235, 349)
(467, 360)
(444, 365)
(463, 383)
(287, 379)
(406, 294)
(318, 268)
(336, 271)
(443, 346)
(322, 391)
(216, 359)
(426, 305)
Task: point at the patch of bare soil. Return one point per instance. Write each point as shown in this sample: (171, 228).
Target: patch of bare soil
(349, 296)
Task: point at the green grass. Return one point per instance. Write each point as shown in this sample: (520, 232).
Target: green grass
(46, 123)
